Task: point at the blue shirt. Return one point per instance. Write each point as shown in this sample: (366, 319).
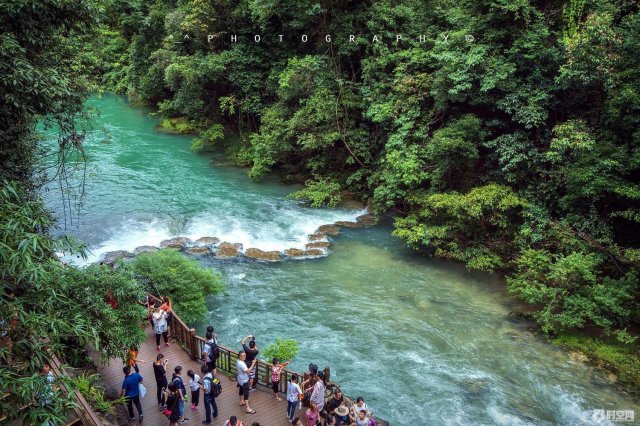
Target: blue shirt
(131, 385)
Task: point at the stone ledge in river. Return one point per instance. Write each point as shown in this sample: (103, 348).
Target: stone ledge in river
(198, 250)
(314, 252)
(111, 256)
(208, 240)
(318, 244)
(228, 249)
(294, 252)
(366, 219)
(318, 236)
(258, 254)
(145, 249)
(347, 224)
(328, 230)
(177, 242)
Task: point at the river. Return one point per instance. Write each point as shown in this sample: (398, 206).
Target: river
(422, 340)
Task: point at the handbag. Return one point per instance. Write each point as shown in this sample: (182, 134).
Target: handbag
(168, 412)
(143, 390)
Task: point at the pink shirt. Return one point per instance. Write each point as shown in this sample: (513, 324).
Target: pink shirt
(275, 373)
(312, 417)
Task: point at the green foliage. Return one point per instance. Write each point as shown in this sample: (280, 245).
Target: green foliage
(473, 227)
(521, 144)
(89, 387)
(320, 192)
(182, 279)
(43, 298)
(208, 138)
(620, 358)
(283, 349)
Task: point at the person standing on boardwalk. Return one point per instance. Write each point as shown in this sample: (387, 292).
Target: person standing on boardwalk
(208, 384)
(133, 358)
(182, 392)
(210, 350)
(168, 308)
(194, 387)
(243, 380)
(160, 372)
(252, 352)
(276, 369)
(172, 404)
(311, 416)
(160, 326)
(131, 391)
(293, 396)
(317, 395)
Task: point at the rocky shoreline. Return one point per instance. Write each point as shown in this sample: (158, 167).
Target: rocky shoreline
(318, 245)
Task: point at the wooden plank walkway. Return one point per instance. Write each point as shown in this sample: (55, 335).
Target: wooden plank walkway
(269, 412)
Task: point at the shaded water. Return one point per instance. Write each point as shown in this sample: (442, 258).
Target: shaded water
(424, 341)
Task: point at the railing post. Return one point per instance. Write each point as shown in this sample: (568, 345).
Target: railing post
(193, 343)
(327, 374)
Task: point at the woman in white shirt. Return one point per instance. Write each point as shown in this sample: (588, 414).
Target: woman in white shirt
(160, 325)
(317, 395)
(194, 385)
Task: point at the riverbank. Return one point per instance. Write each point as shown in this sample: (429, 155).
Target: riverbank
(621, 361)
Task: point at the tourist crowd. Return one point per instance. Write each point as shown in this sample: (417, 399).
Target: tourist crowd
(172, 395)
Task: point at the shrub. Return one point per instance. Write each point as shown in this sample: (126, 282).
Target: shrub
(283, 349)
(170, 273)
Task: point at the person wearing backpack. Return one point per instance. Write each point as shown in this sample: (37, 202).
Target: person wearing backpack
(210, 350)
(182, 392)
(212, 389)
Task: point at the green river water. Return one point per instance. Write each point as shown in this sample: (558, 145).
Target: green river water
(422, 340)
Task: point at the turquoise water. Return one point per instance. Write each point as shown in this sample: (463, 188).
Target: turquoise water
(423, 341)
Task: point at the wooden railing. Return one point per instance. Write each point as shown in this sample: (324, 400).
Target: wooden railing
(194, 344)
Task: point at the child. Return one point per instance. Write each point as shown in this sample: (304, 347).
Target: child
(133, 359)
(276, 368)
(362, 419)
(194, 385)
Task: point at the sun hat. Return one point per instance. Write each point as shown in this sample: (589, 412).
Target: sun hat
(342, 410)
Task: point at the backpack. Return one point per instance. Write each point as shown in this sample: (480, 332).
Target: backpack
(213, 352)
(216, 388)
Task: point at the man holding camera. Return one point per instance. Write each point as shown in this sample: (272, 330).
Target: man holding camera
(252, 353)
(243, 380)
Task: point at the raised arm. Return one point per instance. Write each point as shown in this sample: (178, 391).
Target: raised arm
(245, 339)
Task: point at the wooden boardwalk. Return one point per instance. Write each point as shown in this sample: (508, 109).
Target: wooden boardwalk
(269, 412)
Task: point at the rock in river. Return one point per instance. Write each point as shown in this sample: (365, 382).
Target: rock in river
(314, 252)
(208, 240)
(318, 244)
(228, 249)
(258, 254)
(294, 252)
(347, 224)
(145, 249)
(366, 219)
(202, 250)
(328, 230)
(177, 242)
(111, 256)
(318, 236)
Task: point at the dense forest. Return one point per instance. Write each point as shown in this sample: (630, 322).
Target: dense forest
(502, 134)
(505, 133)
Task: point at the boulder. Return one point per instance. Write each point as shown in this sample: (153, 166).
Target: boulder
(228, 249)
(145, 249)
(294, 252)
(475, 385)
(111, 256)
(177, 242)
(258, 254)
(328, 230)
(346, 224)
(366, 219)
(318, 236)
(208, 240)
(318, 244)
(198, 250)
(352, 204)
(314, 252)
